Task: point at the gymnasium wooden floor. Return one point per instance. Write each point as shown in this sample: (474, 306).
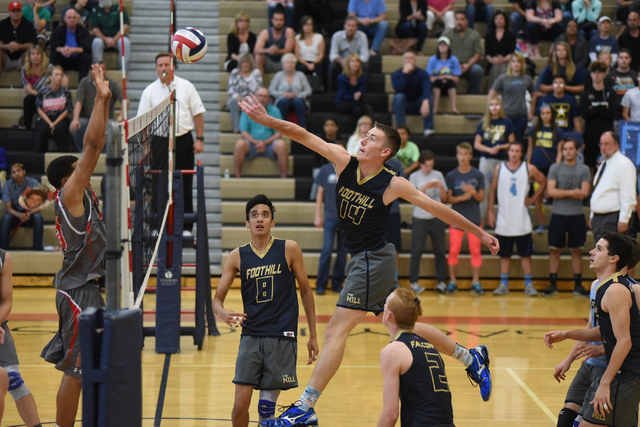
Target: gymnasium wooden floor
(200, 392)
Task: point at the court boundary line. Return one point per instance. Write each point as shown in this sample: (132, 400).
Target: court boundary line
(533, 396)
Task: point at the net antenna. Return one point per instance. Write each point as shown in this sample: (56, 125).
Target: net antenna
(146, 198)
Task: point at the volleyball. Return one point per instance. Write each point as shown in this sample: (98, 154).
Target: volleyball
(189, 45)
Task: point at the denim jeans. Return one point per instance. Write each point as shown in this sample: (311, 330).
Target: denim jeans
(9, 222)
(480, 12)
(475, 75)
(78, 136)
(406, 31)
(296, 104)
(520, 124)
(401, 107)
(377, 31)
(98, 47)
(517, 22)
(331, 230)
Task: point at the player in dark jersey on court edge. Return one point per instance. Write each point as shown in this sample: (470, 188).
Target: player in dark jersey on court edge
(268, 350)
(81, 231)
(612, 399)
(412, 369)
(364, 194)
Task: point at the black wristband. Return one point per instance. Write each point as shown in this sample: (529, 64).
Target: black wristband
(201, 138)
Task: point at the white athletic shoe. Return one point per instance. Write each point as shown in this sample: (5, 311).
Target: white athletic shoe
(530, 291)
(417, 288)
(501, 290)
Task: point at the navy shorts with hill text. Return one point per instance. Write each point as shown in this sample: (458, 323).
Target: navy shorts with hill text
(523, 243)
(561, 225)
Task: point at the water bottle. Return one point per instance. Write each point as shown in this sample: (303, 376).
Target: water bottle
(226, 173)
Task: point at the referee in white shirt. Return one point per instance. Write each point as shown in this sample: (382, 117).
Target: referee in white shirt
(190, 115)
(613, 200)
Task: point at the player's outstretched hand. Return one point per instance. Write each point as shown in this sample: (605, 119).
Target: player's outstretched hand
(491, 242)
(561, 370)
(102, 85)
(312, 346)
(234, 319)
(254, 109)
(553, 337)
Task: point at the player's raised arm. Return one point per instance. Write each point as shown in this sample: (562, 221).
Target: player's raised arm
(93, 144)
(332, 152)
(231, 267)
(294, 254)
(400, 187)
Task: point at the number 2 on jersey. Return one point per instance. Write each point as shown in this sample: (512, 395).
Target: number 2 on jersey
(354, 212)
(436, 367)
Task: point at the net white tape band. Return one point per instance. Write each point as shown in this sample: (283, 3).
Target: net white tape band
(143, 120)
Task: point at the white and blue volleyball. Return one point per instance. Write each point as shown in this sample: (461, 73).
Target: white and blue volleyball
(189, 45)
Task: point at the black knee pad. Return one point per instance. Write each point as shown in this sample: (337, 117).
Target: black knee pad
(566, 417)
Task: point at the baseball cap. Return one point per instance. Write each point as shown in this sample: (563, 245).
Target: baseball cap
(604, 18)
(444, 39)
(14, 5)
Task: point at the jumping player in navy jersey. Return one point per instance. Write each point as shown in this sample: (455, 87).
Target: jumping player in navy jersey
(268, 270)
(81, 232)
(412, 369)
(612, 399)
(364, 193)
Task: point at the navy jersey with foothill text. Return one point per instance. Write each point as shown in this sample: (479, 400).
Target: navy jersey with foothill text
(424, 390)
(361, 213)
(268, 292)
(632, 360)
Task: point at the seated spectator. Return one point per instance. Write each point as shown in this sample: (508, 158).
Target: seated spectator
(620, 80)
(242, 81)
(343, 44)
(603, 42)
(631, 105)
(272, 43)
(518, 18)
(320, 10)
(16, 36)
(544, 149)
(71, 45)
(413, 23)
(444, 72)
(560, 63)
(466, 47)
(364, 125)
(54, 104)
(544, 21)
(81, 6)
(352, 84)
(291, 90)
(105, 26)
(514, 87)
(286, 7)
(605, 58)
(34, 77)
(597, 108)
(84, 106)
(586, 13)
(499, 45)
(16, 215)
(240, 40)
(371, 15)
(309, 49)
(409, 153)
(564, 106)
(479, 9)
(630, 39)
(494, 134)
(577, 44)
(413, 93)
(258, 140)
(40, 17)
(442, 11)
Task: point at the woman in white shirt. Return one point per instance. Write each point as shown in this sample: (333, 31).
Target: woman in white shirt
(243, 80)
(365, 123)
(309, 48)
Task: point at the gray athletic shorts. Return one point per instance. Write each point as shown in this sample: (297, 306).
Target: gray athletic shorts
(64, 349)
(8, 354)
(371, 277)
(624, 396)
(267, 363)
(585, 376)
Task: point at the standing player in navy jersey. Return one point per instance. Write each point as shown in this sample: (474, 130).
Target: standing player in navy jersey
(412, 369)
(365, 191)
(613, 398)
(81, 232)
(268, 350)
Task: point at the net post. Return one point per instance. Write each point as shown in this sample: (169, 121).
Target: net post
(112, 220)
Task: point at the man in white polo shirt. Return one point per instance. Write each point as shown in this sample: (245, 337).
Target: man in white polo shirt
(190, 115)
(614, 189)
